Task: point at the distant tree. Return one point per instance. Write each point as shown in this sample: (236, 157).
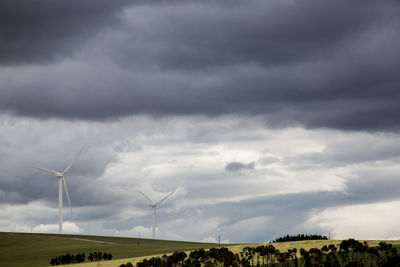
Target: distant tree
(384, 246)
(109, 257)
(99, 256)
(105, 256)
(332, 248)
(80, 257)
(68, 259)
(54, 261)
(391, 261)
(300, 237)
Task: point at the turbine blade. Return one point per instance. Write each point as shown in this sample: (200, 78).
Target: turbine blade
(47, 170)
(66, 192)
(150, 202)
(73, 161)
(165, 198)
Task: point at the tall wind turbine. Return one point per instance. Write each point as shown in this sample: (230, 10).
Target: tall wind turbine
(61, 181)
(153, 206)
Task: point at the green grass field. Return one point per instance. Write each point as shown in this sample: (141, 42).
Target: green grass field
(284, 246)
(36, 250)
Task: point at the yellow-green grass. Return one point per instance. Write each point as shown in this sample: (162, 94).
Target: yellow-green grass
(36, 250)
(134, 260)
(116, 263)
(283, 246)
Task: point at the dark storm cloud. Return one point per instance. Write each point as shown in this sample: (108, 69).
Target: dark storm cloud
(41, 31)
(330, 64)
(238, 166)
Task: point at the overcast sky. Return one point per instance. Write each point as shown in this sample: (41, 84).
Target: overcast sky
(266, 117)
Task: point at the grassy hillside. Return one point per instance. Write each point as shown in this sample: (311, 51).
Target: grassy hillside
(284, 246)
(234, 248)
(36, 250)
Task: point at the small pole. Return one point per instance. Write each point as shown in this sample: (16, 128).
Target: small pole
(14, 228)
(219, 240)
(329, 236)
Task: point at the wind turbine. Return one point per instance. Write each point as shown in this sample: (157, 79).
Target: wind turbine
(153, 206)
(61, 181)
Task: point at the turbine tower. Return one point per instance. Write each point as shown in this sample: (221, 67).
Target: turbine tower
(153, 206)
(61, 182)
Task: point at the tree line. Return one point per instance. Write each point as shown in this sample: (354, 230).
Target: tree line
(349, 253)
(68, 259)
(299, 237)
(79, 258)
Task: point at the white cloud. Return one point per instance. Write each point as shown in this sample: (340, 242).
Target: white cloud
(26, 214)
(68, 228)
(137, 231)
(211, 239)
(368, 221)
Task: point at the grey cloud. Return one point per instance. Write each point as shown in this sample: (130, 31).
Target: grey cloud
(258, 32)
(103, 182)
(238, 166)
(373, 186)
(268, 160)
(287, 213)
(204, 72)
(43, 31)
(330, 65)
(274, 216)
(26, 144)
(339, 152)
